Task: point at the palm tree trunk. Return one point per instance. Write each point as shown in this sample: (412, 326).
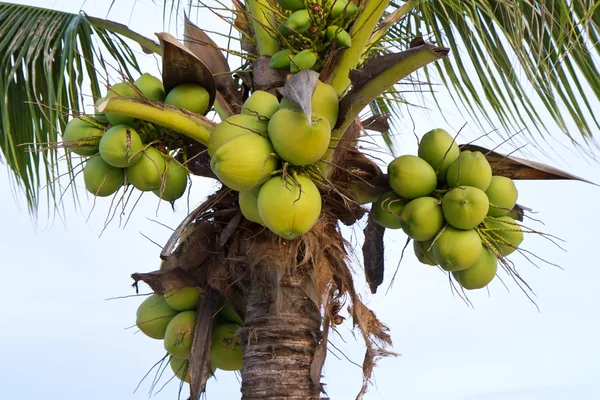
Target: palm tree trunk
(281, 334)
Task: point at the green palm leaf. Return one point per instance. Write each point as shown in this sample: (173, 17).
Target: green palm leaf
(49, 59)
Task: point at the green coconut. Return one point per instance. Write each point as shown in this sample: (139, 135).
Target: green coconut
(465, 207)
(174, 181)
(295, 139)
(422, 218)
(324, 102)
(502, 194)
(100, 178)
(249, 204)
(471, 168)
(180, 368)
(147, 173)
(190, 96)
(281, 59)
(227, 314)
(306, 59)
(183, 299)
(439, 149)
(226, 351)
(153, 316)
(298, 22)
(151, 87)
(121, 146)
(122, 89)
(244, 161)
(81, 137)
(424, 252)
(285, 210)
(338, 34)
(292, 5)
(234, 126)
(480, 274)
(179, 334)
(387, 209)
(411, 177)
(360, 194)
(343, 8)
(261, 103)
(506, 234)
(456, 249)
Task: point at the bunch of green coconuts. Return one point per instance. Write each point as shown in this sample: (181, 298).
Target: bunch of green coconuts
(457, 213)
(172, 318)
(122, 150)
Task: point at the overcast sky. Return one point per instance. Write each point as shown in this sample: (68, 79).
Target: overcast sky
(61, 338)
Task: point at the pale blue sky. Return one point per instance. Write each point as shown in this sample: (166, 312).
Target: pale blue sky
(62, 340)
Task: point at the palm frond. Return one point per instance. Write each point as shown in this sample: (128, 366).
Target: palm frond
(49, 59)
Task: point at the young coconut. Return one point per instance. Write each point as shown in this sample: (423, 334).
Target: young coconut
(189, 96)
(228, 315)
(506, 234)
(244, 161)
(121, 146)
(147, 173)
(471, 168)
(422, 218)
(183, 299)
(292, 5)
(121, 89)
(234, 126)
(343, 8)
(298, 22)
(180, 368)
(306, 59)
(324, 102)
(411, 177)
(439, 149)
(465, 207)
(281, 59)
(179, 334)
(502, 194)
(81, 137)
(153, 316)
(457, 249)
(289, 207)
(387, 209)
(249, 205)
(151, 87)
(173, 182)
(424, 252)
(261, 104)
(297, 140)
(226, 351)
(100, 178)
(480, 274)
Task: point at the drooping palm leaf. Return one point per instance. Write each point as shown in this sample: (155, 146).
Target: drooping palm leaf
(49, 59)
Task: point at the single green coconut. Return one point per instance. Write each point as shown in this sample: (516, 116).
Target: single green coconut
(234, 126)
(183, 299)
(295, 139)
(174, 181)
(147, 173)
(502, 194)
(81, 137)
(324, 102)
(360, 194)
(121, 146)
(338, 34)
(249, 204)
(306, 59)
(153, 316)
(422, 218)
(471, 168)
(439, 149)
(456, 249)
(292, 5)
(298, 22)
(465, 207)
(244, 161)
(179, 334)
(190, 96)
(287, 211)
(343, 8)
(480, 274)
(180, 368)
(151, 87)
(387, 209)
(122, 89)
(281, 59)
(261, 104)
(100, 178)
(228, 315)
(424, 252)
(505, 233)
(226, 351)
(411, 177)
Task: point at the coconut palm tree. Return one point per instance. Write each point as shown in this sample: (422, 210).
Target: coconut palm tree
(496, 58)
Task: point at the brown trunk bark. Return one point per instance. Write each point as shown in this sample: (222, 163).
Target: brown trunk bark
(281, 334)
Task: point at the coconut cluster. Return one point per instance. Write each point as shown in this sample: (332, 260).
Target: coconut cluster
(122, 150)
(457, 212)
(308, 29)
(172, 318)
(266, 152)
